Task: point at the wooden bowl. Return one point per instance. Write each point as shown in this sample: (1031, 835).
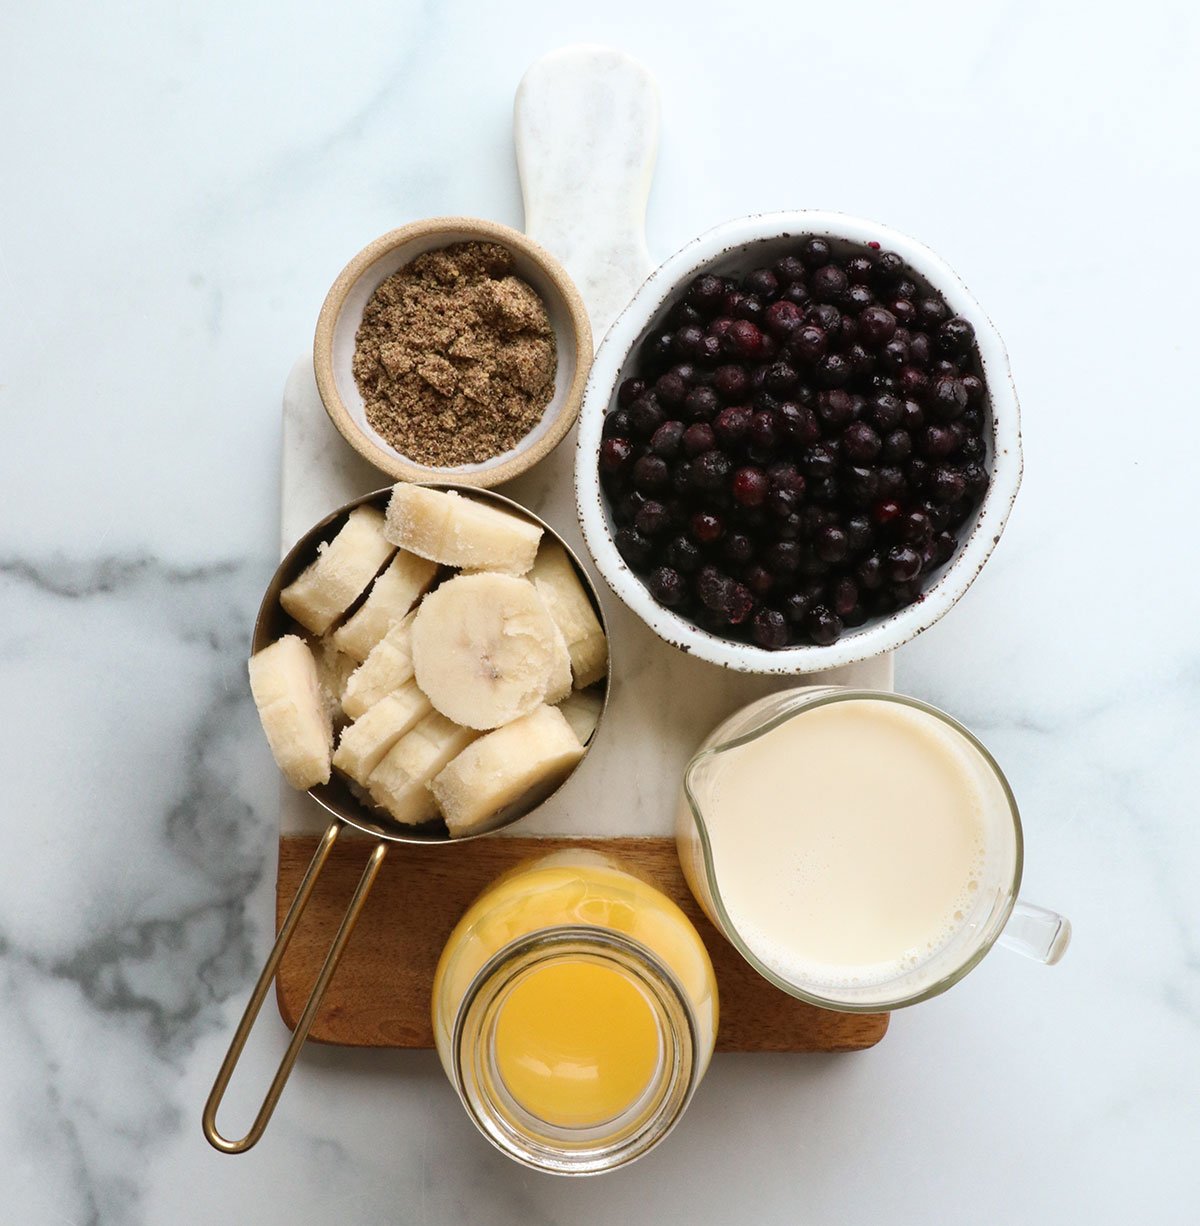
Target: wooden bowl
(341, 314)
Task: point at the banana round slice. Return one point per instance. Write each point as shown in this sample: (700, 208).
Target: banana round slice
(485, 650)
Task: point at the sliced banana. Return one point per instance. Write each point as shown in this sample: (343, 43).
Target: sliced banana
(558, 585)
(445, 527)
(364, 743)
(581, 709)
(523, 762)
(287, 693)
(400, 783)
(387, 667)
(484, 649)
(392, 595)
(339, 576)
(559, 685)
(333, 671)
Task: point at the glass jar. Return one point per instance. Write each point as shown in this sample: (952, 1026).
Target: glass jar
(575, 1011)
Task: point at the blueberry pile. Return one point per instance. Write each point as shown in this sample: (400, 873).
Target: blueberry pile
(797, 449)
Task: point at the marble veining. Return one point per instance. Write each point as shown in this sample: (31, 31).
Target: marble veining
(113, 971)
(182, 185)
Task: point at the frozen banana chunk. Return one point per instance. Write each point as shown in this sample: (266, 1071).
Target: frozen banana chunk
(581, 709)
(387, 667)
(400, 783)
(333, 670)
(287, 693)
(485, 650)
(559, 684)
(339, 576)
(392, 595)
(522, 762)
(558, 585)
(364, 743)
(445, 527)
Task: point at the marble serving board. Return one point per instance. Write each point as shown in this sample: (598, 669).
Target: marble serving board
(662, 702)
(585, 125)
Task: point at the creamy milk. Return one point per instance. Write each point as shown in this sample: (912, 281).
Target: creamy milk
(849, 841)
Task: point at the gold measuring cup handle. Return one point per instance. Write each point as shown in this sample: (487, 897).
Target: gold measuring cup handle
(266, 978)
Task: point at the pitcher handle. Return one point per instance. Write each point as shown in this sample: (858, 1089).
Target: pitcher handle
(1036, 932)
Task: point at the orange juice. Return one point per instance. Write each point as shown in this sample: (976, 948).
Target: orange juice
(560, 1001)
(577, 1044)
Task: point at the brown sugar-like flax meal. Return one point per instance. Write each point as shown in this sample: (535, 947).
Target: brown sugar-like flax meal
(455, 356)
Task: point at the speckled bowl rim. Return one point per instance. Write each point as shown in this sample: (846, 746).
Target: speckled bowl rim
(876, 637)
(525, 456)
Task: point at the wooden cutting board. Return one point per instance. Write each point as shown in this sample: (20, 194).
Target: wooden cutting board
(586, 124)
(380, 996)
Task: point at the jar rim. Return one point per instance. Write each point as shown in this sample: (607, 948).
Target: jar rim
(583, 1151)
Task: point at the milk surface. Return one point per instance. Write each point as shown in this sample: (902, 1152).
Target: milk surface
(849, 842)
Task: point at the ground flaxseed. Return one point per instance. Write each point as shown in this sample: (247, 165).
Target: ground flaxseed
(455, 356)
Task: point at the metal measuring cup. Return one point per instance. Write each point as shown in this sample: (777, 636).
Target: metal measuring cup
(345, 809)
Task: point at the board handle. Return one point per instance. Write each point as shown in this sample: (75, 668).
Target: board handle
(267, 977)
(585, 124)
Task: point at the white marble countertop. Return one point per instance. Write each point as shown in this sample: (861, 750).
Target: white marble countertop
(181, 184)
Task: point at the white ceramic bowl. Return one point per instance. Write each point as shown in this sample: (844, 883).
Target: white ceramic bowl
(737, 246)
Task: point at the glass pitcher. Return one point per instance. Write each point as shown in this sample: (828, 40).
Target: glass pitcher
(993, 912)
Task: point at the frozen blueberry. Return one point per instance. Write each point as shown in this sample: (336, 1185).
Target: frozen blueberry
(646, 414)
(876, 326)
(815, 252)
(860, 443)
(832, 544)
(823, 625)
(750, 486)
(683, 554)
(615, 454)
(666, 439)
(650, 474)
(744, 339)
(629, 391)
(633, 546)
(737, 548)
(762, 282)
(798, 423)
(670, 388)
(706, 294)
(769, 628)
(706, 527)
(651, 518)
(903, 562)
(955, 337)
(828, 283)
(698, 438)
(731, 382)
